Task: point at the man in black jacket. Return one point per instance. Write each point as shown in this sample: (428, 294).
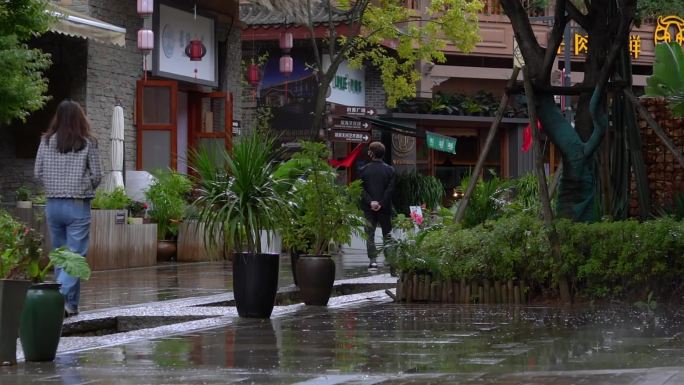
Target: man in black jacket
(378, 179)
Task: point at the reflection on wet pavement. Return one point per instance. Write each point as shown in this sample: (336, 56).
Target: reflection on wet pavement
(388, 343)
(167, 281)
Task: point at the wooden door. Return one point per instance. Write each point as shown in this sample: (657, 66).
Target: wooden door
(156, 109)
(210, 120)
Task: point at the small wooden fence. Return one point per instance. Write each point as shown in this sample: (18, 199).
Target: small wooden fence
(423, 288)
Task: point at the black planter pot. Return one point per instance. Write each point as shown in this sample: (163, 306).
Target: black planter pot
(41, 322)
(12, 295)
(255, 283)
(316, 276)
(294, 257)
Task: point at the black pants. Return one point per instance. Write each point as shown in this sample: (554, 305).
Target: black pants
(373, 219)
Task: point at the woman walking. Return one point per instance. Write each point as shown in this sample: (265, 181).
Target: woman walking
(68, 166)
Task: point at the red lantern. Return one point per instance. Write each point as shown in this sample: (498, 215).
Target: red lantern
(145, 7)
(286, 65)
(195, 50)
(253, 75)
(285, 42)
(145, 40)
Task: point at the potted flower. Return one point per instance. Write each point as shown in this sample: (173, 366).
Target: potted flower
(24, 198)
(236, 198)
(43, 314)
(21, 264)
(326, 215)
(136, 212)
(168, 196)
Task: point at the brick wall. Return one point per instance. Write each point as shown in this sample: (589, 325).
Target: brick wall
(375, 92)
(665, 175)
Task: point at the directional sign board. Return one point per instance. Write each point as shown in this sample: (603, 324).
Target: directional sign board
(350, 124)
(339, 109)
(350, 136)
(441, 143)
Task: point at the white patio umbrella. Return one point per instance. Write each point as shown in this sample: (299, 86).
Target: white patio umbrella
(115, 178)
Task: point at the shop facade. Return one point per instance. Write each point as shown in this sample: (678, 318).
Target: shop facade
(173, 107)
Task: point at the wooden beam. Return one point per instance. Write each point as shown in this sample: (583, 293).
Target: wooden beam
(656, 127)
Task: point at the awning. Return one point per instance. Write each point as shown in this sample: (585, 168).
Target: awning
(77, 24)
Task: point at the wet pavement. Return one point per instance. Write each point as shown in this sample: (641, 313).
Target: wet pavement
(166, 281)
(370, 340)
(176, 324)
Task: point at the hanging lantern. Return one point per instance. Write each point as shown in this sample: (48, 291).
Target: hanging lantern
(285, 41)
(286, 65)
(195, 50)
(145, 40)
(253, 75)
(145, 7)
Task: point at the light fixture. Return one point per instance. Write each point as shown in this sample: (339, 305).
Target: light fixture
(253, 75)
(145, 7)
(285, 42)
(286, 65)
(145, 40)
(195, 50)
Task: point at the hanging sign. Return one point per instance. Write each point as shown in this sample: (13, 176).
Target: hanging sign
(174, 29)
(349, 124)
(349, 136)
(441, 142)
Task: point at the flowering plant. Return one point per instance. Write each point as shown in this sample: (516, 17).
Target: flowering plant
(20, 249)
(136, 208)
(21, 254)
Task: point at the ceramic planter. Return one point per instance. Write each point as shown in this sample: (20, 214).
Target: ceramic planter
(316, 276)
(166, 250)
(41, 322)
(255, 283)
(12, 295)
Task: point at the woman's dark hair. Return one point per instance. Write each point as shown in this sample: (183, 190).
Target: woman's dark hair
(71, 126)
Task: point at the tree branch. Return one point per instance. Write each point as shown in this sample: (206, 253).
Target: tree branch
(529, 46)
(578, 16)
(557, 32)
(312, 32)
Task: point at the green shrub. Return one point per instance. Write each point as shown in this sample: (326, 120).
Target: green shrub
(414, 189)
(114, 200)
(618, 259)
(168, 195)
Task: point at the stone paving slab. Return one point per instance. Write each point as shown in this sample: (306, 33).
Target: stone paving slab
(205, 317)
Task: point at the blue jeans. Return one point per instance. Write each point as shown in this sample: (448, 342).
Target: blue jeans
(69, 223)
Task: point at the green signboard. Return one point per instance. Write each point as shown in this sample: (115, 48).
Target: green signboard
(441, 142)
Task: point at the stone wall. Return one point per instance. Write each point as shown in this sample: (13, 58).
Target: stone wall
(665, 174)
(112, 72)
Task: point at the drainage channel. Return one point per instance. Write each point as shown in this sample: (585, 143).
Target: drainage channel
(126, 323)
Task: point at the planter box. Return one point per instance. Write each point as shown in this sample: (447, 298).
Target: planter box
(119, 245)
(192, 246)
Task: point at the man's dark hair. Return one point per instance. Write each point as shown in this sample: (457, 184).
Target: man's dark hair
(378, 150)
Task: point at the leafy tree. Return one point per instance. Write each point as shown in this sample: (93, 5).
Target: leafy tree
(607, 22)
(23, 87)
(416, 37)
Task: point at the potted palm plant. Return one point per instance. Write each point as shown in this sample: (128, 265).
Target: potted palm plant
(236, 197)
(326, 214)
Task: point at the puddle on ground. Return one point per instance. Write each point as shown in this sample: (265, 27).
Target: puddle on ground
(415, 338)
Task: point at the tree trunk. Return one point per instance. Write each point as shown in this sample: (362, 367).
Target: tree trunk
(576, 192)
